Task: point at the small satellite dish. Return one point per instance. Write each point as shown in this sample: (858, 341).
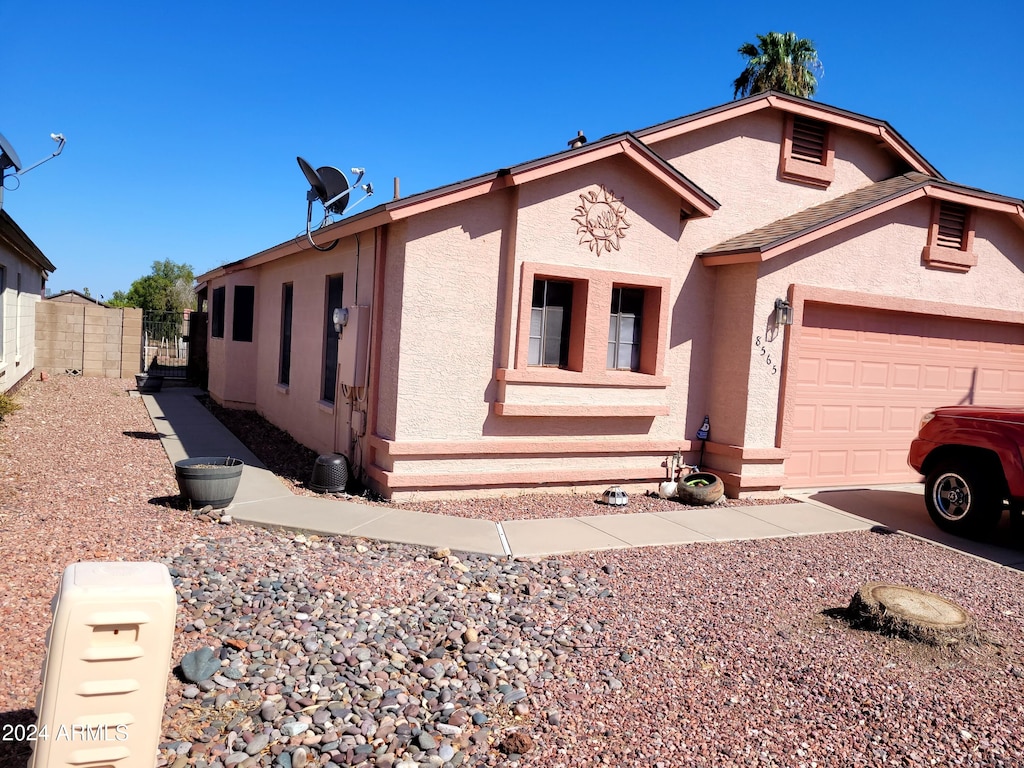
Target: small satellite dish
(331, 187)
(8, 157)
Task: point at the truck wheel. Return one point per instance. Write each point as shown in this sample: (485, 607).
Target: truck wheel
(962, 499)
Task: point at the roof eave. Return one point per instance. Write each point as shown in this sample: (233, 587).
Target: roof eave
(695, 201)
(22, 244)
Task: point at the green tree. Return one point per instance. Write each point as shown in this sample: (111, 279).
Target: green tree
(780, 61)
(168, 288)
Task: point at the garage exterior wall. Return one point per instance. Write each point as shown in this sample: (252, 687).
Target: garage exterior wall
(878, 265)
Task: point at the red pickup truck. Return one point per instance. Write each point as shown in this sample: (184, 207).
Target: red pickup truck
(971, 459)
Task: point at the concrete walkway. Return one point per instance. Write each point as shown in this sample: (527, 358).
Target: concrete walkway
(187, 430)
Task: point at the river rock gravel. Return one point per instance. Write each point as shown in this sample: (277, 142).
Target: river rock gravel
(339, 651)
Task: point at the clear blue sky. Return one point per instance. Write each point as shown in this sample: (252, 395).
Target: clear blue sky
(183, 119)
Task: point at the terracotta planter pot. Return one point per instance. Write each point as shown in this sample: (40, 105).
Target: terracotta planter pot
(209, 480)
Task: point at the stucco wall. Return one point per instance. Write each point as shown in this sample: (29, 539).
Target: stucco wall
(449, 297)
(450, 329)
(310, 419)
(232, 363)
(737, 163)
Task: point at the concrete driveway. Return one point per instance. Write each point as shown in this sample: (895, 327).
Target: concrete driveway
(901, 508)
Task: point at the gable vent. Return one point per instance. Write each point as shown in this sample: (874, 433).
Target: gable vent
(952, 225)
(809, 138)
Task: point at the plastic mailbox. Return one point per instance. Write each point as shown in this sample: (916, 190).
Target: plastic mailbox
(107, 662)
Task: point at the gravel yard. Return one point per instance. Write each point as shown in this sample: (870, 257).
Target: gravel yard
(353, 652)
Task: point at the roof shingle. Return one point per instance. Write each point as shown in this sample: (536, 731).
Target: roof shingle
(779, 231)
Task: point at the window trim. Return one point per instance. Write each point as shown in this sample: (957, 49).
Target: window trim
(944, 257)
(588, 358)
(791, 168)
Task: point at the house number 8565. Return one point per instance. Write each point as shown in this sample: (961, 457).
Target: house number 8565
(766, 355)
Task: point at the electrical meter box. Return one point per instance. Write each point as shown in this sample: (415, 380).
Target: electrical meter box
(353, 347)
(108, 657)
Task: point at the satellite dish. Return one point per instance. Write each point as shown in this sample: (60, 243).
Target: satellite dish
(8, 157)
(313, 178)
(331, 187)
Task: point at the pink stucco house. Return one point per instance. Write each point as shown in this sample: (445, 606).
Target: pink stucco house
(797, 273)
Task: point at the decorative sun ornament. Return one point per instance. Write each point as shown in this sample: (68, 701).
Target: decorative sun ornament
(602, 220)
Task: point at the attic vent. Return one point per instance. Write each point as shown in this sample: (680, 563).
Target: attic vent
(952, 225)
(809, 140)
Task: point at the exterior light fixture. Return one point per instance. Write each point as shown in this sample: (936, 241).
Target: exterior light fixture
(340, 318)
(783, 312)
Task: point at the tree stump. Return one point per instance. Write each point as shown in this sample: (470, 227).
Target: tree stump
(911, 613)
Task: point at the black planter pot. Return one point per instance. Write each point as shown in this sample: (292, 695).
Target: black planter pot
(147, 383)
(209, 480)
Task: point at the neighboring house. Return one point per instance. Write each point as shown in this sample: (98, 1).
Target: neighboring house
(75, 297)
(23, 274)
(797, 273)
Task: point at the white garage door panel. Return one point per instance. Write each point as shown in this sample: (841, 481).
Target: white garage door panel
(864, 379)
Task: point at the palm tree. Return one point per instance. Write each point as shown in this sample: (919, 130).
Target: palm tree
(780, 61)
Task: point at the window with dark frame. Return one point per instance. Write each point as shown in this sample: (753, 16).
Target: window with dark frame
(217, 313)
(284, 367)
(330, 373)
(627, 312)
(550, 321)
(242, 313)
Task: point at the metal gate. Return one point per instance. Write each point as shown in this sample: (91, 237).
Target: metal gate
(165, 343)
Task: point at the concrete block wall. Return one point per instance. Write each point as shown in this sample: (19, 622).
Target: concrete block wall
(94, 340)
(131, 341)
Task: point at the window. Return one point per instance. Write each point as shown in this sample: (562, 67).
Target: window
(807, 151)
(284, 366)
(586, 342)
(242, 313)
(951, 237)
(330, 376)
(550, 320)
(624, 329)
(217, 319)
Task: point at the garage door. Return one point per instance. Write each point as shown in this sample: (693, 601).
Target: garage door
(864, 378)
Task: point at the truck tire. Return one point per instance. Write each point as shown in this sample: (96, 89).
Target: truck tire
(699, 489)
(963, 497)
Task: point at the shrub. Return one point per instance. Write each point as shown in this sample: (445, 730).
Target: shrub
(7, 405)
